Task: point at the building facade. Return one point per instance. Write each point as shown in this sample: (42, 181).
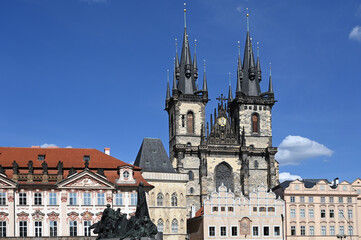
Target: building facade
(225, 216)
(318, 209)
(57, 192)
(167, 200)
(235, 147)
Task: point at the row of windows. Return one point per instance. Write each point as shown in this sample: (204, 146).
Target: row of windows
(160, 200)
(323, 213)
(311, 230)
(53, 228)
(174, 226)
(73, 199)
(256, 231)
(322, 199)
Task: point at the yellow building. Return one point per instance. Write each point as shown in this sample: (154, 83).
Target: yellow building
(166, 201)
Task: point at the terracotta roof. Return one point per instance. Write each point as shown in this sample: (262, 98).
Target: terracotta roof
(200, 212)
(72, 157)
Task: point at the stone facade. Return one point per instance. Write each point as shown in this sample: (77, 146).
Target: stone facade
(225, 216)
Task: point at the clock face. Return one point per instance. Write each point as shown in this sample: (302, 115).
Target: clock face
(222, 121)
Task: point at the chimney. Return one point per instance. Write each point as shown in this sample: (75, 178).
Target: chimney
(107, 151)
(193, 211)
(336, 181)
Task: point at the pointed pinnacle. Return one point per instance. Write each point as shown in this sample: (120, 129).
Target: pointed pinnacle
(230, 97)
(205, 87)
(270, 85)
(174, 81)
(168, 90)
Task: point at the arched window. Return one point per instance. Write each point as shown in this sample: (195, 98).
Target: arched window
(190, 176)
(255, 123)
(190, 122)
(174, 200)
(191, 190)
(174, 226)
(224, 175)
(160, 225)
(160, 199)
(256, 164)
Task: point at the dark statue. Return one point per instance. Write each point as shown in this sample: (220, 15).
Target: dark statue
(114, 224)
(15, 167)
(31, 167)
(86, 163)
(45, 167)
(2, 170)
(71, 171)
(100, 171)
(60, 168)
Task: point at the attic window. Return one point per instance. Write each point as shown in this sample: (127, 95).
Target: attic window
(86, 158)
(41, 157)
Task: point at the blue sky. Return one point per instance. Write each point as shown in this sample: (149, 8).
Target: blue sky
(92, 73)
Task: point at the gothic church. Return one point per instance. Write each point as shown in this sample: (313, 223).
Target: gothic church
(235, 147)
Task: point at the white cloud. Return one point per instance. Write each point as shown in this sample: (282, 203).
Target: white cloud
(295, 149)
(355, 34)
(46, 145)
(68, 147)
(287, 176)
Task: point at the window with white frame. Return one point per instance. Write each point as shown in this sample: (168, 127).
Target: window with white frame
(293, 230)
(323, 230)
(53, 228)
(349, 214)
(293, 213)
(160, 225)
(86, 198)
(340, 199)
(2, 228)
(302, 199)
(255, 230)
(22, 198)
(332, 213)
(349, 199)
(340, 213)
(101, 198)
(133, 199)
(311, 213)
(119, 199)
(174, 226)
(87, 225)
(342, 230)
(160, 199)
(277, 231)
(303, 230)
(72, 198)
(332, 230)
(331, 200)
(323, 213)
(223, 231)
(292, 199)
(302, 213)
(350, 230)
(38, 228)
(211, 231)
(234, 231)
(52, 198)
(23, 228)
(265, 231)
(37, 198)
(310, 199)
(2, 198)
(73, 228)
(323, 199)
(312, 230)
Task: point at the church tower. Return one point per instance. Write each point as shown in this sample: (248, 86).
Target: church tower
(186, 111)
(251, 112)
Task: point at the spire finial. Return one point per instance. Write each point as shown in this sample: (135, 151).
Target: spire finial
(185, 15)
(239, 48)
(270, 69)
(257, 49)
(229, 76)
(195, 45)
(270, 84)
(204, 65)
(176, 45)
(167, 75)
(247, 15)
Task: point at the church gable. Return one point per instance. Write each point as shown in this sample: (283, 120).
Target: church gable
(86, 179)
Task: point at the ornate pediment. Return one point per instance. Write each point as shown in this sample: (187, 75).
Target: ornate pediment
(221, 131)
(6, 182)
(38, 215)
(86, 179)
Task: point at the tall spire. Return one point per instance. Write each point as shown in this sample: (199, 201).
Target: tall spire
(250, 87)
(230, 97)
(176, 67)
(270, 85)
(168, 90)
(174, 78)
(195, 69)
(185, 16)
(239, 70)
(258, 66)
(205, 87)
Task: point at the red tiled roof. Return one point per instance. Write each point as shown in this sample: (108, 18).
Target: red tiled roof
(200, 212)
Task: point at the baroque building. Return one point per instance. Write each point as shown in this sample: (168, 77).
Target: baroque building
(235, 147)
(61, 192)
